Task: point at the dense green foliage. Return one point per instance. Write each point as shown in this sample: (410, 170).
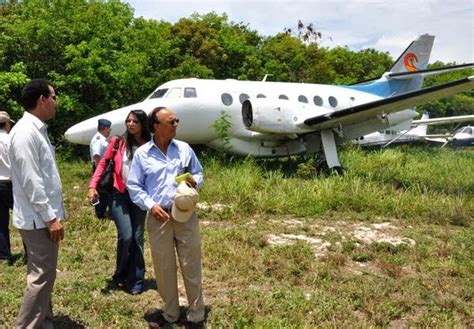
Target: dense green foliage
(99, 57)
(423, 197)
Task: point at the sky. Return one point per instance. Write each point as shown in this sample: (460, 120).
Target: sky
(385, 25)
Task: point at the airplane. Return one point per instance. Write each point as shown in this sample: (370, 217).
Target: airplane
(461, 137)
(416, 132)
(277, 119)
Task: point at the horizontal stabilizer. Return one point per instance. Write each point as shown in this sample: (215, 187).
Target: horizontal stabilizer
(442, 121)
(427, 72)
(389, 105)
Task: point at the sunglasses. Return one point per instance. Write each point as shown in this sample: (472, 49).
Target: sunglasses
(174, 121)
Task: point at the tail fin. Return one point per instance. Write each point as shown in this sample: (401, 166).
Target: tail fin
(414, 58)
(421, 129)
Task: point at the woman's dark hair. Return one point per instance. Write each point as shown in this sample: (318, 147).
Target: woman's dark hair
(130, 142)
(32, 91)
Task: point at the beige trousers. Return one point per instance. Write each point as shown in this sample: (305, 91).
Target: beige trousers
(185, 237)
(36, 310)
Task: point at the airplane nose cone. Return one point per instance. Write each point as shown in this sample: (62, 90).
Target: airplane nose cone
(75, 134)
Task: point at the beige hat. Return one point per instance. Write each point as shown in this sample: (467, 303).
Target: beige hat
(4, 117)
(184, 202)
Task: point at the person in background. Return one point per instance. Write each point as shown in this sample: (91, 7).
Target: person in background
(129, 218)
(6, 193)
(38, 208)
(153, 188)
(97, 148)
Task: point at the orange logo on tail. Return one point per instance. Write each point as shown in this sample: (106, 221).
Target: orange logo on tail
(410, 61)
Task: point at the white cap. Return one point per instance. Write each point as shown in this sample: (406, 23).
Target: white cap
(4, 117)
(184, 202)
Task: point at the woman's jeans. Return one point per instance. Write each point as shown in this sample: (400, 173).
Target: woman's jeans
(130, 221)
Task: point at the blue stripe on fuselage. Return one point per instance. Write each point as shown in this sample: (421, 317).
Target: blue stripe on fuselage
(389, 88)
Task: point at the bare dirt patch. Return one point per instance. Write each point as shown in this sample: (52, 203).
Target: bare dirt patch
(363, 233)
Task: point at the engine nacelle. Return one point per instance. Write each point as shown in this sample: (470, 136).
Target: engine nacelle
(277, 117)
(396, 118)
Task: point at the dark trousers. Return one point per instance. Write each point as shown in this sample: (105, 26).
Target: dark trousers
(101, 208)
(6, 203)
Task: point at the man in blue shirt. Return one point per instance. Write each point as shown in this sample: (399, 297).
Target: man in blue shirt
(152, 186)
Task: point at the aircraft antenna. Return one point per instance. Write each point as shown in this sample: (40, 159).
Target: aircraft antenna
(266, 76)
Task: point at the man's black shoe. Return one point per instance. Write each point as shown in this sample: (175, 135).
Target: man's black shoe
(160, 322)
(194, 325)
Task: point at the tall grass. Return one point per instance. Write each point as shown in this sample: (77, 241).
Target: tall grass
(427, 194)
(414, 184)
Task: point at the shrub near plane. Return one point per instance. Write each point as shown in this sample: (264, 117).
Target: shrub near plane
(414, 132)
(274, 119)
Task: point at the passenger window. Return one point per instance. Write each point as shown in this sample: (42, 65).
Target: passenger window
(283, 97)
(174, 93)
(332, 101)
(190, 92)
(302, 99)
(226, 99)
(261, 96)
(318, 101)
(243, 97)
(159, 93)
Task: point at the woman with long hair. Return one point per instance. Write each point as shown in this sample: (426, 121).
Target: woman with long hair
(129, 219)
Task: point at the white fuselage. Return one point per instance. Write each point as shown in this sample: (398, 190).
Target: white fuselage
(199, 103)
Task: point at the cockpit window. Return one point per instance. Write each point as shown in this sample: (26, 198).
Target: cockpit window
(174, 93)
(190, 92)
(159, 93)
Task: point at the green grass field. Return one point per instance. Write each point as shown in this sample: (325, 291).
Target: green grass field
(390, 244)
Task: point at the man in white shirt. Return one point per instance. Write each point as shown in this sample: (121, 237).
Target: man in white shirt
(38, 208)
(6, 196)
(97, 148)
(99, 142)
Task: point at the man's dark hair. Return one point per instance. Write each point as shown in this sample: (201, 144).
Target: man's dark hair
(152, 118)
(32, 91)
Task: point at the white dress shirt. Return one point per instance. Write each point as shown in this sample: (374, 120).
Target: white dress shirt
(4, 162)
(37, 191)
(98, 145)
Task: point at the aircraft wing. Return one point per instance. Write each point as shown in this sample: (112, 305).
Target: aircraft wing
(397, 103)
(441, 121)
